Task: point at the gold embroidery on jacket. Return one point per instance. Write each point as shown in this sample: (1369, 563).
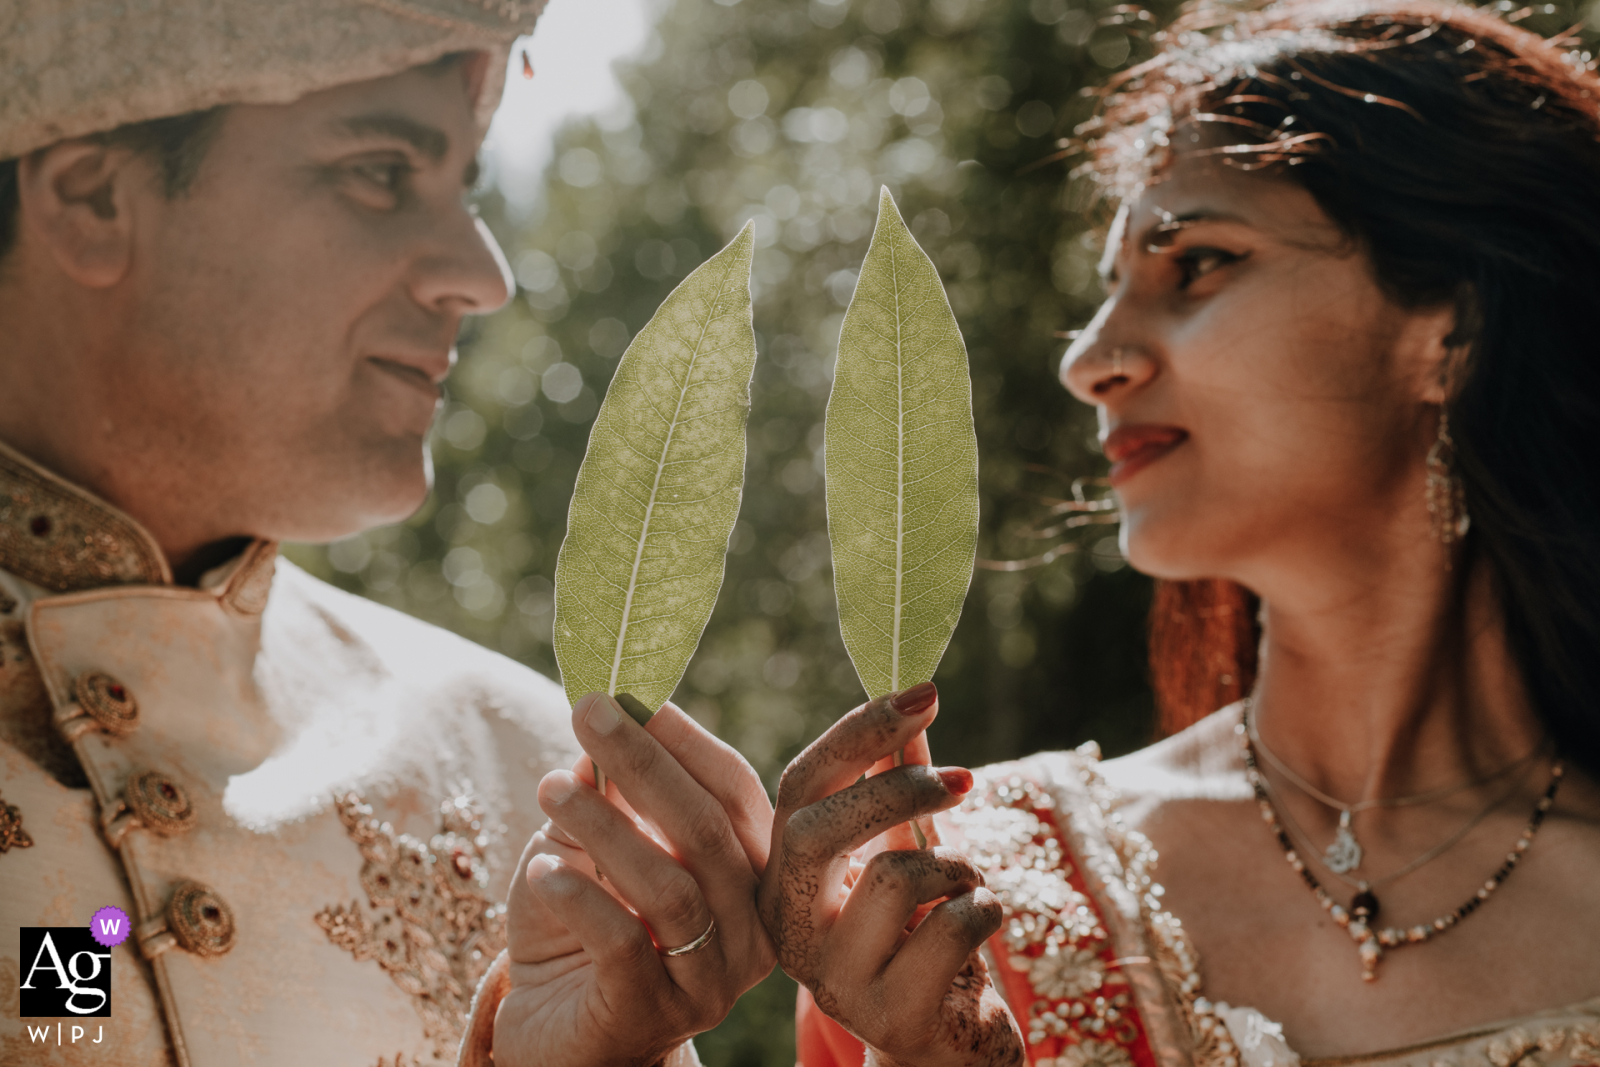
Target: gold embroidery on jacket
(63, 541)
(12, 835)
(432, 926)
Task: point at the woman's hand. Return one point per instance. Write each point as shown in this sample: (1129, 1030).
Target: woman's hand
(590, 981)
(921, 996)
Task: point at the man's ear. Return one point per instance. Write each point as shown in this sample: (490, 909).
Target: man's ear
(474, 73)
(75, 201)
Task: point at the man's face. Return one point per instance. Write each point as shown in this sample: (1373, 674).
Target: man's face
(292, 316)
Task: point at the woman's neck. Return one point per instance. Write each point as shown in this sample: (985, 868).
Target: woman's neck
(1408, 687)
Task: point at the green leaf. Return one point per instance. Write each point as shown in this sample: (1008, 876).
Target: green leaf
(902, 465)
(659, 489)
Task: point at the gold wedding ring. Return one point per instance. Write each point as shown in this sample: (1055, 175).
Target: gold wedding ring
(696, 945)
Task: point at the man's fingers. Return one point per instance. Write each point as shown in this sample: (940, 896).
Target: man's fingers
(626, 961)
(850, 747)
(690, 819)
(723, 773)
(893, 885)
(533, 932)
(665, 895)
(938, 949)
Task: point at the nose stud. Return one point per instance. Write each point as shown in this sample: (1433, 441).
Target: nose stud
(1116, 361)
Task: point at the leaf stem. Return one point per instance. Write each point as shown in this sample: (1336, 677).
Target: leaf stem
(916, 831)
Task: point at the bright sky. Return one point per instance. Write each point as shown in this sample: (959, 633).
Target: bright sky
(572, 49)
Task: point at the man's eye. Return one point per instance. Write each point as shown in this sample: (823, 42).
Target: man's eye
(1195, 263)
(390, 177)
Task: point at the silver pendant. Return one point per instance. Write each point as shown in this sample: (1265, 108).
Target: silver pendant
(1345, 852)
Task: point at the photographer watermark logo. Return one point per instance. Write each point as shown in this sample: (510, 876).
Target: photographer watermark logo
(66, 972)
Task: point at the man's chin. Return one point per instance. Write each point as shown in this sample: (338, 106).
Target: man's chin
(380, 500)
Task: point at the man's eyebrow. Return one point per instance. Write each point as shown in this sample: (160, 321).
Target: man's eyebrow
(429, 140)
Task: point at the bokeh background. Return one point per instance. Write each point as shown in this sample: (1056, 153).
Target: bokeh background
(792, 113)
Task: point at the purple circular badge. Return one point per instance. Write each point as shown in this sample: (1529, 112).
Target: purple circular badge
(110, 926)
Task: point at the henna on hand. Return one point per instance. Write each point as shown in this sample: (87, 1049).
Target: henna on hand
(916, 992)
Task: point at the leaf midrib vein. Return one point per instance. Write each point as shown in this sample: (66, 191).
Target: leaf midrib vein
(666, 445)
(900, 469)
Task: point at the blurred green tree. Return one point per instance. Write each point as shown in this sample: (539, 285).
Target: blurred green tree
(792, 113)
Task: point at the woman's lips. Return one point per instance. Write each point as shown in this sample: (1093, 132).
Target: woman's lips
(1133, 448)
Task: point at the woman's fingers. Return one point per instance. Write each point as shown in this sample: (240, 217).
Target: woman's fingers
(849, 748)
(802, 894)
(891, 888)
(663, 894)
(939, 948)
(722, 772)
(836, 825)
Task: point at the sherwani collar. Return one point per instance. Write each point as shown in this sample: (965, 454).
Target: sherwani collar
(64, 539)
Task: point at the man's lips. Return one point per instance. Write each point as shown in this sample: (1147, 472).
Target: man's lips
(418, 376)
(1133, 448)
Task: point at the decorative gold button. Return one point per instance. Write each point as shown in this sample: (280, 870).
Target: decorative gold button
(159, 803)
(200, 920)
(108, 702)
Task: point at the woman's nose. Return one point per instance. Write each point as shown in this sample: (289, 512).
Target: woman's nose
(1098, 366)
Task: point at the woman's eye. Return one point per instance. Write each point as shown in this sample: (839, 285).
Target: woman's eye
(1196, 263)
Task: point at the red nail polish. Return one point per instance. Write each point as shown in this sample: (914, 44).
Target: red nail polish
(958, 780)
(914, 701)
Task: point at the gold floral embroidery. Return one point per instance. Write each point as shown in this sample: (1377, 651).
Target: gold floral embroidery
(65, 540)
(1510, 1048)
(1584, 1043)
(1053, 934)
(12, 835)
(1574, 1043)
(1090, 1053)
(434, 929)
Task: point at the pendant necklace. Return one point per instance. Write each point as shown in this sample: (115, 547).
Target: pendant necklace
(1344, 854)
(1358, 919)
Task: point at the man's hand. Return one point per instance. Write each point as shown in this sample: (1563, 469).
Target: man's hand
(915, 994)
(683, 846)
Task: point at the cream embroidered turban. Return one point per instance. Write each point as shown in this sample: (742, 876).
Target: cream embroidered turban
(75, 67)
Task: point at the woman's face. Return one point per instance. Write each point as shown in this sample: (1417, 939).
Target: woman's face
(1265, 406)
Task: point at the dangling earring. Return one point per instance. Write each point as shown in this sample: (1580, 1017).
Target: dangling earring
(1447, 497)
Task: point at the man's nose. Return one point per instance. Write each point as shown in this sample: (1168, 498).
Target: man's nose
(467, 274)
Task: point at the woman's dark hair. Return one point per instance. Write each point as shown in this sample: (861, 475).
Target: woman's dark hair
(1462, 153)
(177, 145)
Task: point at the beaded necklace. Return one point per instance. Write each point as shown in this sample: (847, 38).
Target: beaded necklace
(1357, 920)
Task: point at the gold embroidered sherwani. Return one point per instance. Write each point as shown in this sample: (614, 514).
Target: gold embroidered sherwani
(310, 805)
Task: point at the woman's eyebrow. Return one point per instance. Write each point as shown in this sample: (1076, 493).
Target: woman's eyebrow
(1160, 234)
